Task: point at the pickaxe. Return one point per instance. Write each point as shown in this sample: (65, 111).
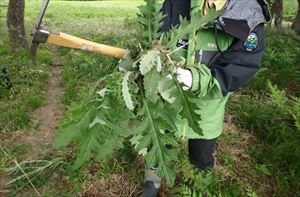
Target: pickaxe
(43, 35)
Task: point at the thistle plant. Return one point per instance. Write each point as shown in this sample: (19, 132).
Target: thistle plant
(141, 101)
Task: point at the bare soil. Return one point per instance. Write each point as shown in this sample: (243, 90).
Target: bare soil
(47, 115)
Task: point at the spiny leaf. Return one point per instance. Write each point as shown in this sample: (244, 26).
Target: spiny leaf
(154, 139)
(148, 61)
(186, 28)
(96, 121)
(189, 108)
(126, 93)
(79, 123)
(150, 20)
(158, 64)
(151, 80)
(167, 88)
(87, 147)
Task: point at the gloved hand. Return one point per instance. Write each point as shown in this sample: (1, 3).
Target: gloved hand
(185, 77)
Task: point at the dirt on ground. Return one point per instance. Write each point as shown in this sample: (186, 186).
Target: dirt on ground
(47, 118)
(49, 114)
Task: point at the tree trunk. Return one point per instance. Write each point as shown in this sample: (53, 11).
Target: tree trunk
(15, 24)
(277, 9)
(296, 23)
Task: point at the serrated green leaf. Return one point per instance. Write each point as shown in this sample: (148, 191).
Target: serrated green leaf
(148, 61)
(189, 108)
(158, 64)
(105, 150)
(150, 20)
(167, 89)
(155, 141)
(151, 81)
(95, 129)
(170, 116)
(125, 92)
(186, 27)
(86, 150)
(102, 92)
(96, 121)
(162, 109)
(79, 123)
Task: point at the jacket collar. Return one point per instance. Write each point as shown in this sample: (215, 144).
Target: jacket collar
(240, 17)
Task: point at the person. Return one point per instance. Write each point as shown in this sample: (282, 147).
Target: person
(220, 57)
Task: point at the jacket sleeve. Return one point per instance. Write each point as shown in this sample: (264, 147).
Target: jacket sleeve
(234, 67)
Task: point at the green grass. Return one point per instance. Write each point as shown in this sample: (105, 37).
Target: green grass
(290, 9)
(26, 94)
(281, 63)
(98, 21)
(270, 115)
(84, 18)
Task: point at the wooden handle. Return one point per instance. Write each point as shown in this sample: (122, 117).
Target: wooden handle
(65, 40)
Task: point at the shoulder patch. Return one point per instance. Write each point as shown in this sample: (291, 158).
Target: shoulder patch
(251, 42)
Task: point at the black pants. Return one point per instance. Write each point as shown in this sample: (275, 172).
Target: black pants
(201, 152)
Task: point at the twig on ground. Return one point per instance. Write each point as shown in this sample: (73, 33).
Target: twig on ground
(17, 164)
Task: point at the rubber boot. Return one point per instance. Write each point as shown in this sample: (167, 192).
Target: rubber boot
(152, 183)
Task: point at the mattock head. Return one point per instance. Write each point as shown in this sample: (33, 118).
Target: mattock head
(39, 35)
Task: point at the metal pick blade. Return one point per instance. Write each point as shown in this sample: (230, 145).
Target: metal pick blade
(41, 14)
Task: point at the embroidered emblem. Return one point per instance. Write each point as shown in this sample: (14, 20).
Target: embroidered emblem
(252, 42)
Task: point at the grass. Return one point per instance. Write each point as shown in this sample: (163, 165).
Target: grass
(281, 63)
(272, 114)
(244, 154)
(290, 9)
(83, 18)
(26, 94)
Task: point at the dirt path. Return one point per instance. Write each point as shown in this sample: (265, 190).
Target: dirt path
(49, 114)
(47, 117)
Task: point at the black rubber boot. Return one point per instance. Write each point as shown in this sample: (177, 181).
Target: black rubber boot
(150, 190)
(152, 183)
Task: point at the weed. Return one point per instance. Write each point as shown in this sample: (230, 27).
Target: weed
(274, 118)
(28, 82)
(281, 63)
(276, 149)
